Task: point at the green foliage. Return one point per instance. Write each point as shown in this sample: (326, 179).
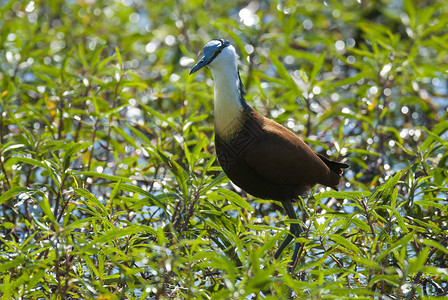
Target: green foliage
(109, 185)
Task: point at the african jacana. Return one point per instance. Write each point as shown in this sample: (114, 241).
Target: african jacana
(259, 155)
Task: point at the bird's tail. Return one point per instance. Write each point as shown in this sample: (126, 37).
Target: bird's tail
(334, 166)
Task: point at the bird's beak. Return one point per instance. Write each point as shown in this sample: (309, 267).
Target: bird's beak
(200, 64)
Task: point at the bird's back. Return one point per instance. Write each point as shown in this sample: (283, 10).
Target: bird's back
(269, 161)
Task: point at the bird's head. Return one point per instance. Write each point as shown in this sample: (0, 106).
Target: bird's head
(216, 52)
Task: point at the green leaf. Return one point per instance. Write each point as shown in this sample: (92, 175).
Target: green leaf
(9, 194)
(115, 191)
(81, 54)
(160, 116)
(132, 189)
(196, 151)
(427, 203)
(434, 244)
(235, 199)
(45, 206)
(148, 229)
(31, 161)
(398, 244)
(66, 61)
(283, 73)
(104, 176)
(182, 177)
(410, 10)
(96, 56)
(350, 80)
(437, 138)
(7, 225)
(92, 200)
(92, 267)
(342, 195)
(361, 224)
(80, 224)
(116, 233)
(317, 66)
(417, 264)
(120, 61)
(393, 280)
(400, 219)
(221, 178)
(345, 243)
(437, 131)
(12, 264)
(388, 187)
(139, 134)
(72, 149)
(130, 140)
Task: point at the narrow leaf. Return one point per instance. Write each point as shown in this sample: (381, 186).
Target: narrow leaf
(104, 176)
(235, 199)
(11, 193)
(317, 66)
(345, 243)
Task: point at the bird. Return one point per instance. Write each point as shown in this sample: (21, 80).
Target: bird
(257, 154)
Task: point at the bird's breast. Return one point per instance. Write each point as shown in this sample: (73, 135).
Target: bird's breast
(231, 148)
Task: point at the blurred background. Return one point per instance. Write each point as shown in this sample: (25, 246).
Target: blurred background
(104, 133)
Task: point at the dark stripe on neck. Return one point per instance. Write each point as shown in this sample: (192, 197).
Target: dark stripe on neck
(242, 92)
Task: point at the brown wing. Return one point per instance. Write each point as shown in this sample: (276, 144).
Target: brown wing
(279, 156)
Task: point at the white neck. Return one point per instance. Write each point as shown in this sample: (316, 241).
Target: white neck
(228, 106)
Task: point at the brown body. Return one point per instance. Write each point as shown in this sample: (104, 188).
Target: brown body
(269, 161)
